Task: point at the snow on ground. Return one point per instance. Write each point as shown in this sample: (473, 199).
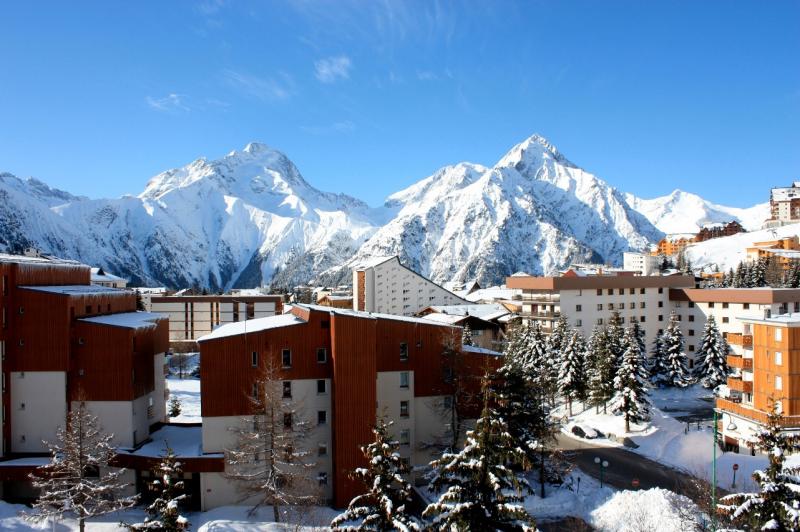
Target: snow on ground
(671, 442)
(577, 497)
(728, 251)
(653, 509)
(188, 392)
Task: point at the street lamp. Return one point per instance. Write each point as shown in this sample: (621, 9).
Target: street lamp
(735, 468)
(603, 465)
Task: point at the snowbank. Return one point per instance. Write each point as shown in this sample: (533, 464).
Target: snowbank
(188, 392)
(653, 509)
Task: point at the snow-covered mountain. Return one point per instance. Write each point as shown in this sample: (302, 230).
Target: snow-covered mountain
(727, 252)
(251, 219)
(684, 212)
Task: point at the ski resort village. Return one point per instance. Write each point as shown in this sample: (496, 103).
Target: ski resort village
(400, 265)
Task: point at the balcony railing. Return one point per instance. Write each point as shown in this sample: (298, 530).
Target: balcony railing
(541, 298)
(753, 414)
(736, 361)
(739, 385)
(744, 340)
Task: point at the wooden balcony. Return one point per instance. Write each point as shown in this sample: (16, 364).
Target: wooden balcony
(739, 409)
(735, 361)
(739, 385)
(744, 340)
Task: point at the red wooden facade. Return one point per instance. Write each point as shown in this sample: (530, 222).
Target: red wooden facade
(357, 347)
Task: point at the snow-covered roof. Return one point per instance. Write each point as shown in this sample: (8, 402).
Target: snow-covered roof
(80, 290)
(147, 290)
(366, 315)
(374, 261)
(251, 326)
(790, 319)
(5, 257)
(492, 293)
(332, 297)
(450, 319)
(27, 461)
(486, 311)
(672, 237)
(98, 274)
(186, 442)
(128, 320)
(481, 350)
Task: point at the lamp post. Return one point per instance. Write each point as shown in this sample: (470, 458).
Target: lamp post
(602, 464)
(735, 468)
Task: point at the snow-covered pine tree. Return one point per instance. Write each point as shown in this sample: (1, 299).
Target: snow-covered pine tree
(572, 377)
(712, 369)
(481, 490)
(674, 355)
(739, 276)
(78, 478)
(269, 460)
(601, 371)
(174, 406)
(163, 514)
(382, 507)
(776, 506)
(556, 342)
(793, 275)
(614, 333)
(630, 388)
(657, 364)
(466, 335)
(541, 366)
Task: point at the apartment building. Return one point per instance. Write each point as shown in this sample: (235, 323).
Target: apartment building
(64, 340)
(384, 285)
(718, 230)
(191, 317)
(589, 301)
(341, 369)
(641, 263)
(673, 244)
(100, 277)
(784, 205)
(785, 250)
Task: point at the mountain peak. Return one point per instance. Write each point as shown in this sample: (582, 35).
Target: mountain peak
(256, 147)
(532, 152)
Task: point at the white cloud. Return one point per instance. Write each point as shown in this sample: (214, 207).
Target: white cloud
(332, 69)
(170, 102)
(267, 89)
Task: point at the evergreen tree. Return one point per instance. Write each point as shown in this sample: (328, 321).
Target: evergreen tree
(382, 507)
(776, 506)
(639, 334)
(757, 274)
(481, 490)
(601, 370)
(675, 356)
(541, 365)
(556, 342)
(174, 406)
(712, 369)
(466, 335)
(78, 478)
(739, 276)
(659, 369)
(163, 514)
(615, 335)
(572, 381)
(630, 388)
(793, 275)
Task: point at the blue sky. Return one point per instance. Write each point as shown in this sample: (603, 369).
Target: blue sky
(367, 97)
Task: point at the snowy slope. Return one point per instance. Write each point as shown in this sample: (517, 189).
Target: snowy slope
(728, 251)
(684, 212)
(251, 219)
(533, 211)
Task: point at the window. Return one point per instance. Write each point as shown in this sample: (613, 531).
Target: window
(322, 417)
(287, 389)
(641, 319)
(711, 304)
(323, 479)
(691, 332)
(322, 355)
(660, 317)
(287, 420)
(724, 305)
(691, 317)
(599, 306)
(405, 437)
(796, 306)
(403, 351)
(691, 304)
(403, 408)
(660, 304)
(578, 323)
(404, 379)
(254, 359)
(611, 306)
(632, 291)
(660, 289)
(725, 319)
(599, 321)
(691, 362)
(641, 290)
(778, 382)
(622, 319)
(599, 291)
(322, 387)
(632, 305)
(286, 358)
(778, 358)
(255, 390)
(779, 407)
(610, 291)
(642, 305)
(621, 291)
(745, 306)
(778, 334)
(577, 308)
(322, 449)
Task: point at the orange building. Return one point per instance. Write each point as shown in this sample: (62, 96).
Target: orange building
(673, 244)
(769, 371)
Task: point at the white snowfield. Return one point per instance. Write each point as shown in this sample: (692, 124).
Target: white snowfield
(250, 218)
(727, 252)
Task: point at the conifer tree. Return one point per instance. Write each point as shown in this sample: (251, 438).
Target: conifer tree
(776, 506)
(382, 507)
(739, 276)
(572, 378)
(78, 478)
(712, 369)
(675, 356)
(556, 342)
(466, 335)
(174, 406)
(163, 514)
(659, 369)
(602, 371)
(541, 366)
(630, 388)
(481, 491)
(615, 335)
(793, 275)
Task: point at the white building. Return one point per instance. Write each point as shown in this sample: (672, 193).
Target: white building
(642, 263)
(102, 278)
(384, 285)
